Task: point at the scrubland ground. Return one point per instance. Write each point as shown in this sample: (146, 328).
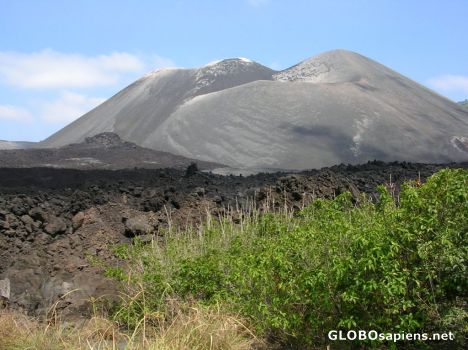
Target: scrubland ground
(276, 275)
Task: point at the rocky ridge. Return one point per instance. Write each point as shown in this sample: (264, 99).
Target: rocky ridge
(102, 151)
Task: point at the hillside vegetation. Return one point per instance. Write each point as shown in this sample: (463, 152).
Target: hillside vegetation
(464, 104)
(276, 278)
(398, 265)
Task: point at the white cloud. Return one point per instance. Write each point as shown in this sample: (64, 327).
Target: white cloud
(68, 107)
(48, 81)
(51, 69)
(257, 3)
(15, 113)
(63, 110)
(450, 83)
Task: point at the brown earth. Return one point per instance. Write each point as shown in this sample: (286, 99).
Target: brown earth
(55, 223)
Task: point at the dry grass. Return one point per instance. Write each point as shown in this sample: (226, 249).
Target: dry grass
(199, 328)
(190, 328)
(19, 332)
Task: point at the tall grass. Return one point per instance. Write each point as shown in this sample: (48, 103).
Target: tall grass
(19, 332)
(191, 327)
(398, 265)
(268, 276)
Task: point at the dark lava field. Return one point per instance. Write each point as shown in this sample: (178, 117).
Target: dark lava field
(55, 222)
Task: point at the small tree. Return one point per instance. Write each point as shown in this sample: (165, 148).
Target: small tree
(192, 169)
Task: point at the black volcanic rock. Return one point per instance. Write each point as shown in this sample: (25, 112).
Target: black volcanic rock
(55, 225)
(75, 217)
(105, 139)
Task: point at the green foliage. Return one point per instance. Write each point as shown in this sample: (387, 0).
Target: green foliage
(396, 265)
(464, 104)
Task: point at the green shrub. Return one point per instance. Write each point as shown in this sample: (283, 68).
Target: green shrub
(392, 266)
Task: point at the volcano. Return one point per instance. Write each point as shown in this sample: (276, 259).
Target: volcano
(336, 107)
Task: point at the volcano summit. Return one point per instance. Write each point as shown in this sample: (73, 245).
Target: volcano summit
(336, 107)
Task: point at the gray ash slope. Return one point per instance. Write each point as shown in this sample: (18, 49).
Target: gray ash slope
(336, 107)
(102, 151)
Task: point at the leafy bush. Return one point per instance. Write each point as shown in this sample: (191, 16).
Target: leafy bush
(398, 265)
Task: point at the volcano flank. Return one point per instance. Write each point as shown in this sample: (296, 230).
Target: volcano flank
(336, 107)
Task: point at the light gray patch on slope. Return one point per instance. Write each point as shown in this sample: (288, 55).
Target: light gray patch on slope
(337, 66)
(460, 143)
(229, 73)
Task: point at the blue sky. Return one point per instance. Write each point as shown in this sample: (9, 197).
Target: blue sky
(59, 59)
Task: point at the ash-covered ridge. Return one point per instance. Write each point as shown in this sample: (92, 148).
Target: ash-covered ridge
(102, 151)
(229, 73)
(338, 66)
(336, 107)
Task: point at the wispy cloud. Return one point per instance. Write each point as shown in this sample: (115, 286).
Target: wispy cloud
(61, 87)
(62, 110)
(49, 69)
(257, 3)
(68, 107)
(15, 113)
(450, 83)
